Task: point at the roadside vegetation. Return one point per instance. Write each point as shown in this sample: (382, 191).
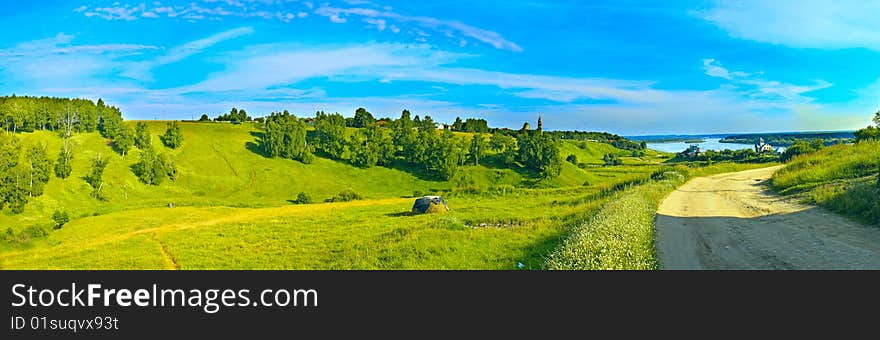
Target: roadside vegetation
(621, 234)
(842, 178)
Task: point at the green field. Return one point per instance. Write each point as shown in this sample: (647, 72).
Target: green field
(842, 178)
(233, 209)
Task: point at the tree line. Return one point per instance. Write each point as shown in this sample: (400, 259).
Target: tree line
(25, 171)
(414, 141)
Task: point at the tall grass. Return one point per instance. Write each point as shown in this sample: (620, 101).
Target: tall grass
(621, 234)
(841, 178)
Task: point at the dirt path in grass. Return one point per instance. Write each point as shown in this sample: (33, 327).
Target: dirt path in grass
(731, 221)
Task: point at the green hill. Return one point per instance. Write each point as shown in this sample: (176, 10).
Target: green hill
(233, 209)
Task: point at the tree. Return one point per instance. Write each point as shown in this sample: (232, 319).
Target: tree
(611, 159)
(458, 125)
(64, 166)
(39, 169)
(13, 184)
(643, 145)
(302, 198)
(234, 115)
(362, 118)
(876, 119)
(869, 133)
(123, 141)
(476, 125)
(798, 148)
(572, 158)
(142, 138)
(330, 131)
(427, 123)
(284, 136)
(371, 146)
(477, 148)
(540, 152)
(173, 137)
(404, 136)
(153, 168)
(446, 155)
(204, 118)
(95, 177)
(506, 146)
(60, 217)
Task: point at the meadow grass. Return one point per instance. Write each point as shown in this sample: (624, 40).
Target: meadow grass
(842, 178)
(233, 209)
(521, 226)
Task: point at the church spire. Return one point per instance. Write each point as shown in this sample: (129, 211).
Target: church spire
(540, 123)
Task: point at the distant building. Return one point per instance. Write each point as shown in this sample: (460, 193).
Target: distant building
(762, 147)
(692, 151)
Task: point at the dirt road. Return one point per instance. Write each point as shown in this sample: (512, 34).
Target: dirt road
(731, 221)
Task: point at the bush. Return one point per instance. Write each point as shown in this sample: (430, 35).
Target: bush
(668, 173)
(35, 231)
(9, 235)
(60, 217)
(572, 159)
(345, 196)
(302, 198)
(611, 160)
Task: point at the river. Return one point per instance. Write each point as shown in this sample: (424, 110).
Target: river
(709, 144)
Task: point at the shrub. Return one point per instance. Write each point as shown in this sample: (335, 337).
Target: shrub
(572, 159)
(35, 231)
(60, 217)
(302, 198)
(668, 173)
(611, 160)
(9, 235)
(345, 196)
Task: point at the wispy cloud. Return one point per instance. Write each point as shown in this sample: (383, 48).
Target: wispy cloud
(759, 87)
(58, 60)
(448, 27)
(374, 15)
(805, 23)
(141, 70)
(291, 76)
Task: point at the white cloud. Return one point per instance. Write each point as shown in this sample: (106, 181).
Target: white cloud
(271, 77)
(378, 23)
(714, 69)
(489, 37)
(141, 71)
(763, 88)
(379, 17)
(804, 23)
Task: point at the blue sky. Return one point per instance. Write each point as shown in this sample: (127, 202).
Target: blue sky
(628, 67)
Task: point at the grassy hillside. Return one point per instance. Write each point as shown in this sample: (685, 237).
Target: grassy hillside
(842, 178)
(232, 209)
(481, 232)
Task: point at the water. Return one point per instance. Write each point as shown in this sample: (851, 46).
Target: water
(709, 144)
